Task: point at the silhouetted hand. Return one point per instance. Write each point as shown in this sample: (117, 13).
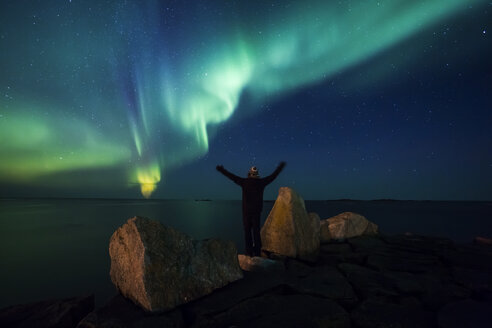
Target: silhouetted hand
(219, 167)
(282, 164)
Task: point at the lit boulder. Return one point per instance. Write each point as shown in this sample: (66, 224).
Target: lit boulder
(160, 268)
(289, 230)
(346, 225)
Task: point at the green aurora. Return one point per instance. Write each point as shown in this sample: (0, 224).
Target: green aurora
(115, 89)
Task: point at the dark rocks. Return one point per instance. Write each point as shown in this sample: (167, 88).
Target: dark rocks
(334, 253)
(297, 268)
(346, 225)
(274, 310)
(440, 290)
(395, 256)
(160, 268)
(466, 313)
(482, 241)
(327, 282)
(418, 244)
(368, 244)
(368, 282)
(55, 313)
(470, 256)
(476, 280)
(253, 284)
(404, 282)
(259, 264)
(120, 312)
(336, 248)
(289, 230)
(402, 261)
(377, 313)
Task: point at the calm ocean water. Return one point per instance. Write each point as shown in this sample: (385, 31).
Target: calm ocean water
(59, 248)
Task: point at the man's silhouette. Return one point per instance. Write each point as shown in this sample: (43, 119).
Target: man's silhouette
(253, 187)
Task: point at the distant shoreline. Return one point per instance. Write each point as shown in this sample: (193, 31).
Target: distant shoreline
(380, 200)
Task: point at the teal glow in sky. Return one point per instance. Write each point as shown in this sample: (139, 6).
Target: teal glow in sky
(140, 87)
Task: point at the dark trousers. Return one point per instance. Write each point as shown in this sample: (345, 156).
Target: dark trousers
(252, 239)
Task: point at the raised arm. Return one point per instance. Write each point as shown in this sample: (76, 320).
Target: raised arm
(275, 173)
(233, 177)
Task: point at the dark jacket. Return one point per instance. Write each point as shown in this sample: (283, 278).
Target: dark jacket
(252, 188)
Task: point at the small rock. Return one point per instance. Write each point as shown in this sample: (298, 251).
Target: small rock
(259, 264)
(289, 230)
(54, 313)
(466, 313)
(160, 268)
(346, 225)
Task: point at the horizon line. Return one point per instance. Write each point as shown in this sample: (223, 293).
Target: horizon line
(211, 199)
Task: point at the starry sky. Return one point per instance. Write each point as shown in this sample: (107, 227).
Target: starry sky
(133, 99)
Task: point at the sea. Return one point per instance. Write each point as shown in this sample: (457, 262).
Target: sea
(58, 248)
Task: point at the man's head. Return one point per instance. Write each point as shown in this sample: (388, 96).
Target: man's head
(253, 172)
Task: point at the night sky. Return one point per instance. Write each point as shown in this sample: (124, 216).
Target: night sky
(362, 99)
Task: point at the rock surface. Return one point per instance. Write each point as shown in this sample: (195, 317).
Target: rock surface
(277, 310)
(120, 312)
(289, 230)
(466, 313)
(55, 313)
(377, 313)
(327, 282)
(160, 268)
(259, 264)
(346, 225)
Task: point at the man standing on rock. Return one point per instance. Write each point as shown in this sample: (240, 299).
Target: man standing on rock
(253, 187)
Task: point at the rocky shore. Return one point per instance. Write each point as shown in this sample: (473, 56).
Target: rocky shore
(352, 276)
(365, 281)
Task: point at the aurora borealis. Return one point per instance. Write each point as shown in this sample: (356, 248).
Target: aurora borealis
(377, 99)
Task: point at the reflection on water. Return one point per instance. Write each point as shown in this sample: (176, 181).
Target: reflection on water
(59, 248)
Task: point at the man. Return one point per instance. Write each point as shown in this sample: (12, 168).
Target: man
(253, 187)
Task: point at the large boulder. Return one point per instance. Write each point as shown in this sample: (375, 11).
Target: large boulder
(160, 268)
(346, 225)
(289, 230)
